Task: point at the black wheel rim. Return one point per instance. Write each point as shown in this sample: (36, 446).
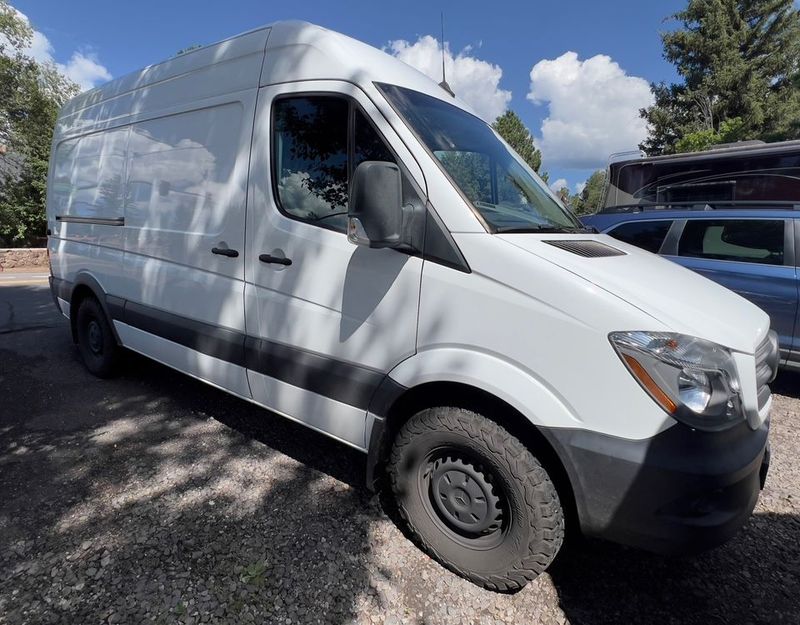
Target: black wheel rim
(94, 337)
(464, 498)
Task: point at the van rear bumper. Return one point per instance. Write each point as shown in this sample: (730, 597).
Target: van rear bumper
(681, 491)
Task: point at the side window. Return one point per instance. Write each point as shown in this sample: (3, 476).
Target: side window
(313, 138)
(310, 156)
(649, 235)
(743, 240)
(367, 144)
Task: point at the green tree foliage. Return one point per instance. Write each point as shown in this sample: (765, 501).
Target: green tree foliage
(516, 134)
(588, 200)
(739, 61)
(730, 130)
(30, 96)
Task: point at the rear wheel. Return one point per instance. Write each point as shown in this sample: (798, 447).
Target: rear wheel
(475, 498)
(96, 343)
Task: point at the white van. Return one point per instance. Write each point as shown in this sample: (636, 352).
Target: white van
(311, 225)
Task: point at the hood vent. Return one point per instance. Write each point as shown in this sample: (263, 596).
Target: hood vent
(586, 248)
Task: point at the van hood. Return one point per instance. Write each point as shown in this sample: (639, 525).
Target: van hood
(680, 299)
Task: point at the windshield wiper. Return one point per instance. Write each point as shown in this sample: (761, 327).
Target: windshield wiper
(540, 229)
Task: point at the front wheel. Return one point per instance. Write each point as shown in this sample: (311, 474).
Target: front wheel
(475, 498)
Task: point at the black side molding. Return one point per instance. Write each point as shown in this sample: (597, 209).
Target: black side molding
(342, 381)
(355, 385)
(203, 337)
(345, 382)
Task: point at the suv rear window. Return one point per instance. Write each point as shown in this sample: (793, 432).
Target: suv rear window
(649, 235)
(742, 240)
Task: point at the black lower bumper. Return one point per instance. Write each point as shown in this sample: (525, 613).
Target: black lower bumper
(681, 491)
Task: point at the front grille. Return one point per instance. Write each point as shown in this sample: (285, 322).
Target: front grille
(586, 248)
(767, 359)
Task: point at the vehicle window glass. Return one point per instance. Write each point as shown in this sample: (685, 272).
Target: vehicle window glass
(312, 167)
(744, 240)
(310, 157)
(649, 235)
(509, 196)
(368, 145)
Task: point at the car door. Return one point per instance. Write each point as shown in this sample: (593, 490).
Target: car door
(185, 197)
(752, 256)
(326, 319)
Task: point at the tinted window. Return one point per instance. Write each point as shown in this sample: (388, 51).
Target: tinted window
(649, 235)
(744, 240)
(368, 145)
(310, 156)
(767, 175)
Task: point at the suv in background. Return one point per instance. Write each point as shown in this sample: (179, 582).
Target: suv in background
(750, 251)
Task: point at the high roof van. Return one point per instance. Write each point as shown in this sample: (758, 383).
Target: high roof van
(313, 226)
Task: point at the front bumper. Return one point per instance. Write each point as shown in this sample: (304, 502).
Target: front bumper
(681, 491)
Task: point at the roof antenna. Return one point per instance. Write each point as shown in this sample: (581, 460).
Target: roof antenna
(444, 84)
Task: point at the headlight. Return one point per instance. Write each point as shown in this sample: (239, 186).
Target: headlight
(694, 380)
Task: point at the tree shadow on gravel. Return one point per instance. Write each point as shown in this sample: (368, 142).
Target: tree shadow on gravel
(753, 579)
(787, 383)
(156, 497)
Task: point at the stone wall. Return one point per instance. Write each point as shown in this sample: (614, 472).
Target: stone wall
(17, 258)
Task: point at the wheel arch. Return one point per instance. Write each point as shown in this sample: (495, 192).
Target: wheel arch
(86, 285)
(470, 397)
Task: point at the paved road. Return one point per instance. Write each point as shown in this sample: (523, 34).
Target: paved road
(28, 304)
(155, 498)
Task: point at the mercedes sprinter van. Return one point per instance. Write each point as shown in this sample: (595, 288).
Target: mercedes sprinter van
(313, 226)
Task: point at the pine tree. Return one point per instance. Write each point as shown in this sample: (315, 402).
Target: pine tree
(516, 134)
(739, 61)
(588, 200)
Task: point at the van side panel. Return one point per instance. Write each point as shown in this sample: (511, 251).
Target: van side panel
(149, 178)
(86, 207)
(176, 84)
(185, 197)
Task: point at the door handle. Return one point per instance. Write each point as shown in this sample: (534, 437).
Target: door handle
(267, 258)
(224, 251)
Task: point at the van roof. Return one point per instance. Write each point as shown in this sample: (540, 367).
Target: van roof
(295, 51)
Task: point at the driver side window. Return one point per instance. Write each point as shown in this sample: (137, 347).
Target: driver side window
(317, 141)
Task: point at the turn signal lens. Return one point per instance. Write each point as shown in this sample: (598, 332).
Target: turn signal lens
(649, 384)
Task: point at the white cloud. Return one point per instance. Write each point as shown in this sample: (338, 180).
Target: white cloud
(83, 67)
(558, 185)
(579, 187)
(473, 80)
(593, 109)
(41, 49)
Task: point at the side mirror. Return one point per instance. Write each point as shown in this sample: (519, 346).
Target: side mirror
(375, 209)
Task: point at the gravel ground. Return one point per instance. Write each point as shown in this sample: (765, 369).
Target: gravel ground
(155, 498)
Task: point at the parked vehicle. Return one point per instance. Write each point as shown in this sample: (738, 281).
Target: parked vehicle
(311, 225)
(729, 214)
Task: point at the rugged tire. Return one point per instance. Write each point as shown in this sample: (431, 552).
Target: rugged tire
(533, 519)
(96, 343)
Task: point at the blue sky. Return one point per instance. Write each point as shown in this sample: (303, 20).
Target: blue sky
(583, 104)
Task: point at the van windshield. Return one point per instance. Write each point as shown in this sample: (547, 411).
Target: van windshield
(509, 197)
